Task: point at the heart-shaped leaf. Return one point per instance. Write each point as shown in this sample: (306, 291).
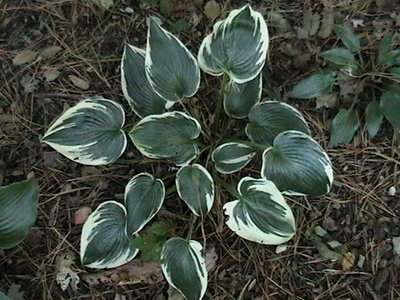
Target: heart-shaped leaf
(373, 118)
(90, 132)
(390, 106)
(344, 126)
(339, 56)
(144, 196)
(184, 267)
(297, 165)
(346, 34)
(135, 85)
(237, 46)
(316, 85)
(232, 157)
(240, 98)
(269, 118)
(260, 214)
(105, 242)
(172, 70)
(195, 186)
(167, 136)
(18, 210)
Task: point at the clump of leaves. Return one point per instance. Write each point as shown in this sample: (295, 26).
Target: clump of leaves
(367, 77)
(151, 241)
(153, 82)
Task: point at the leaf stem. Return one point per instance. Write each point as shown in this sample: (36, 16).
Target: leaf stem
(224, 84)
(227, 187)
(190, 231)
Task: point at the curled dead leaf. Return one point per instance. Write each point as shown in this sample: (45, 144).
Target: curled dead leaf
(212, 10)
(133, 272)
(49, 52)
(81, 215)
(51, 74)
(328, 101)
(348, 261)
(79, 82)
(66, 277)
(24, 57)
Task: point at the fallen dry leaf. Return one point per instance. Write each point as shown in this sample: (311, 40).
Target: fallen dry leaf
(212, 10)
(327, 22)
(119, 297)
(211, 258)
(106, 4)
(133, 272)
(396, 245)
(280, 248)
(24, 57)
(29, 83)
(392, 191)
(79, 82)
(311, 22)
(81, 215)
(65, 275)
(49, 52)
(277, 21)
(327, 101)
(348, 261)
(357, 23)
(348, 90)
(51, 74)
(386, 5)
(174, 294)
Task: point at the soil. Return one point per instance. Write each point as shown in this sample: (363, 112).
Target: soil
(358, 213)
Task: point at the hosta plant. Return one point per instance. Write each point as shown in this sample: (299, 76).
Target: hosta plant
(156, 83)
(18, 210)
(371, 80)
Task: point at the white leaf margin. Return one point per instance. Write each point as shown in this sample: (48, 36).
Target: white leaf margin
(196, 249)
(88, 229)
(166, 115)
(130, 185)
(209, 197)
(251, 232)
(71, 151)
(205, 45)
(240, 159)
(168, 104)
(327, 167)
(149, 63)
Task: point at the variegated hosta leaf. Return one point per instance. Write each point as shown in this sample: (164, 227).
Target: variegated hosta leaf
(297, 165)
(261, 214)
(195, 186)
(232, 157)
(135, 85)
(18, 209)
(167, 136)
(240, 98)
(237, 46)
(172, 70)
(184, 267)
(144, 196)
(90, 132)
(4, 296)
(104, 240)
(269, 118)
